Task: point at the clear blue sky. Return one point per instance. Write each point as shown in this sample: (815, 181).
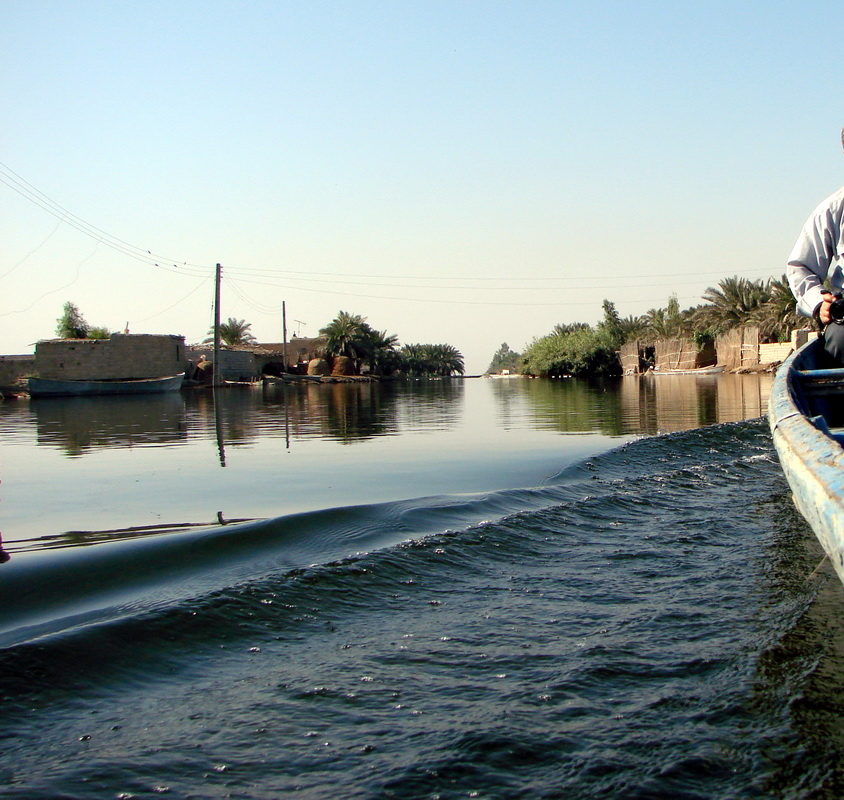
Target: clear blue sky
(460, 172)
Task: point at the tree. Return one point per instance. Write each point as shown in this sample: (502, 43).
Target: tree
(346, 336)
(352, 336)
(666, 323)
(778, 316)
(584, 351)
(445, 360)
(611, 324)
(71, 324)
(633, 327)
(234, 331)
(431, 360)
(504, 359)
(380, 348)
(563, 328)
(734, 302)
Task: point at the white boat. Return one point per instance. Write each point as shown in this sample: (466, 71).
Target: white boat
(806, 415)
(696, 371)
(50, 387)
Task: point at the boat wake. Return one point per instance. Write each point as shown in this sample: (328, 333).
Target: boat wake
(50, 590)
(629, 628)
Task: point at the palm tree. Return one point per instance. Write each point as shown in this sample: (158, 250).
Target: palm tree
(380, 349)
(668, 322)
(657, 324)
(447, 360)
(564, 328)
(778, 316)
(234, 331)
(347, 335)
(633, 327)
(432, 359)
(412, 359)
(735, 301)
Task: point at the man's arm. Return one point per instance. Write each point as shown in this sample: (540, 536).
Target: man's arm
(809, 261)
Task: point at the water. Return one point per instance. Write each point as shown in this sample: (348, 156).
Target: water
(493, 589)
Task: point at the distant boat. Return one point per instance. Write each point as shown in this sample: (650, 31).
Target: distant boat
(697, 371)
(49, 387)
(805, 415)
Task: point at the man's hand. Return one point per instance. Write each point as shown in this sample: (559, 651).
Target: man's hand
(823, 309)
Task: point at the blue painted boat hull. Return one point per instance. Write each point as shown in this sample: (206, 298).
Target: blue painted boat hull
(805, 410)
(47, 387)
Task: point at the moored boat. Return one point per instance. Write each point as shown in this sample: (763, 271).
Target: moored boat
(806, 415)
(715, 370)
(51, 387)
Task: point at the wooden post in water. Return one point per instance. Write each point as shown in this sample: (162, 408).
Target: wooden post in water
(217, 368)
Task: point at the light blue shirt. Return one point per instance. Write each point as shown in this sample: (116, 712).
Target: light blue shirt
(817, 255)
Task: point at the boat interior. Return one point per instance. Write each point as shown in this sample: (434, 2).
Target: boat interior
(819, 392)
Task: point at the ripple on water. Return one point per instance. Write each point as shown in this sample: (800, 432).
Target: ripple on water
(647, 634)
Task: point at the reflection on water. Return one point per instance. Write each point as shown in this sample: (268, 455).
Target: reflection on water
(349, 413)
(81, 424)
(153, 464)
(346, 413)
(646, 404)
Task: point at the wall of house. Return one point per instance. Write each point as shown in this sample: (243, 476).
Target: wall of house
(772, 353)
(676, 354)
(14, 368)
(235, 365)
(630, 358)
(121, 357)
(738, 348)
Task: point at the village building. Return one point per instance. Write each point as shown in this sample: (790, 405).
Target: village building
(120, 357)
(249, 362)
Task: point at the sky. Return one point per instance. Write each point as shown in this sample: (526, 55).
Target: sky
(457, 171)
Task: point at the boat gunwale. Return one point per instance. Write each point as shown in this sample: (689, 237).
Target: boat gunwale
(58, 387)
(811, 458)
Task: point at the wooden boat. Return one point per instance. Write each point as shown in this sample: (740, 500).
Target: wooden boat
(49, 387)
(806, 415)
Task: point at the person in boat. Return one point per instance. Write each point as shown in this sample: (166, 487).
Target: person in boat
(816, 271)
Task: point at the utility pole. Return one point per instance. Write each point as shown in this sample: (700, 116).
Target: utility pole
(284, 331)
(217, 368)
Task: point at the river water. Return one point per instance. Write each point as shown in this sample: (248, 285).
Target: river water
(483, 588)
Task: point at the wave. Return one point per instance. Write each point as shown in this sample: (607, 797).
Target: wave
(58, 591)
(572, 637)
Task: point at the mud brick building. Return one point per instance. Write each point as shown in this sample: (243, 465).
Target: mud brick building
(120, 357)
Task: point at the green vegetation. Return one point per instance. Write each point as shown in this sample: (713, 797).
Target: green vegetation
(72, 325)
(234, 331)
(430, 360)
(350, 335)
(581, 349)
(505, 359)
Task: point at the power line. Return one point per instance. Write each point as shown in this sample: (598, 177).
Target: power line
(178, 302)
(25, 189)
(241, 293)
(32, 252)
(340, 277)
(60, 288)
(511, 303)
(607, 283)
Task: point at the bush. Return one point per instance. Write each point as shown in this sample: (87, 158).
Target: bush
(582, 352)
